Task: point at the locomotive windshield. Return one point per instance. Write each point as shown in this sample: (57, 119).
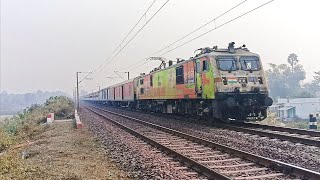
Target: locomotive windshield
(227, 63)
(250, 63)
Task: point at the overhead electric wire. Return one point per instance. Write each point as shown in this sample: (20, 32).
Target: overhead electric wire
(143, 15)
(85, 77)
(208, 31)
(197, 29)
(135, 34)
(258, 7)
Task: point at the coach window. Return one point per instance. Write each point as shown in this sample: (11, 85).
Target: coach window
(179, 75)
(151, 82)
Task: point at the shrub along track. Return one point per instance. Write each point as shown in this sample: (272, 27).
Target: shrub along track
(288, 152)
(212, 159)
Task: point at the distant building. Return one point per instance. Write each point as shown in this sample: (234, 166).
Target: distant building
(283, 111)
(288, 109)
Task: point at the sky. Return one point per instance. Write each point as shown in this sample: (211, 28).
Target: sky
(45, 42)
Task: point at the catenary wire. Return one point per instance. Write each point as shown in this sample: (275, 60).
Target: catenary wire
(143, 15)
(208, 31)
(238, 17)
(135, 35)
(197, 29)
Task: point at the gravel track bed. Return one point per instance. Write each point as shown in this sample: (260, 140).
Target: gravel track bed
(139, 159)
(172, 139)
(297, 154)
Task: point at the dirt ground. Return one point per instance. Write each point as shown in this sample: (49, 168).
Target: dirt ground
(62, 152)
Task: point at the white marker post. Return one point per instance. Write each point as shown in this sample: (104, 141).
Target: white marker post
(49, 118)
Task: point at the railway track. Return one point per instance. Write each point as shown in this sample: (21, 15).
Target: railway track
(307, 137)
(301, 136)
(211, 159)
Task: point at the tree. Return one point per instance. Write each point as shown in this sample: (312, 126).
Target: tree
(317, 77)
(293, 60)
(314, 86)
(284, 82)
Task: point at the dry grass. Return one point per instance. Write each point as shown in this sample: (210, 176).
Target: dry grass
(60, 152)
(272, 120)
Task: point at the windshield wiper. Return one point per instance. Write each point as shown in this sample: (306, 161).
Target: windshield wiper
(246, 64)
(232, 66)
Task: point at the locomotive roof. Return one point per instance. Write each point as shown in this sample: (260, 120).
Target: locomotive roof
(225, 52)
(219, 52)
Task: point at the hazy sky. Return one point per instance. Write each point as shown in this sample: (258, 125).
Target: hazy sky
(44, 42)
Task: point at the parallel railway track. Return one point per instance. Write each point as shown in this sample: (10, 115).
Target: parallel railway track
(301, 136)
(211, 159)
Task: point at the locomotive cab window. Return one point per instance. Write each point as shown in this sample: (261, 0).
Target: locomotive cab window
(227, 63)
(141, 81)
(179, 75)
(249, 63)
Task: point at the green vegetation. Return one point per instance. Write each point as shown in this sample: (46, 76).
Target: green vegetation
(23, 127)
(37, 114)
(286, 80)
(11, 104)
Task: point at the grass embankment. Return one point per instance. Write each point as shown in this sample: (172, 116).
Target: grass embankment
(17, 131)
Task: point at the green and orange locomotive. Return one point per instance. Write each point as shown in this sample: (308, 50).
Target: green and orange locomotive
(225, 84)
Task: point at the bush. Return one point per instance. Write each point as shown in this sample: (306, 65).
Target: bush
(28, 124)
(6, 140)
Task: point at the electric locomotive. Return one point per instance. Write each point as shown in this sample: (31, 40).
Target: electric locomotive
(220, 84)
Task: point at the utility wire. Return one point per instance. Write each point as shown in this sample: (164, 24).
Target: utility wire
(135, 34)
(208, 31)
(246, 13)
(197, 29)
(143, 15)
(85, 77)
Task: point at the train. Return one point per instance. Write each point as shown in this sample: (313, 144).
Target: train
(227, 84)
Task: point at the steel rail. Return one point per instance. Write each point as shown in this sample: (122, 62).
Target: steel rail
(295, 139)
(267, 162)
(282, 129)
(191, 163)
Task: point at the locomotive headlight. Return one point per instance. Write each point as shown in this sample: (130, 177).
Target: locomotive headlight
(242, 80)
